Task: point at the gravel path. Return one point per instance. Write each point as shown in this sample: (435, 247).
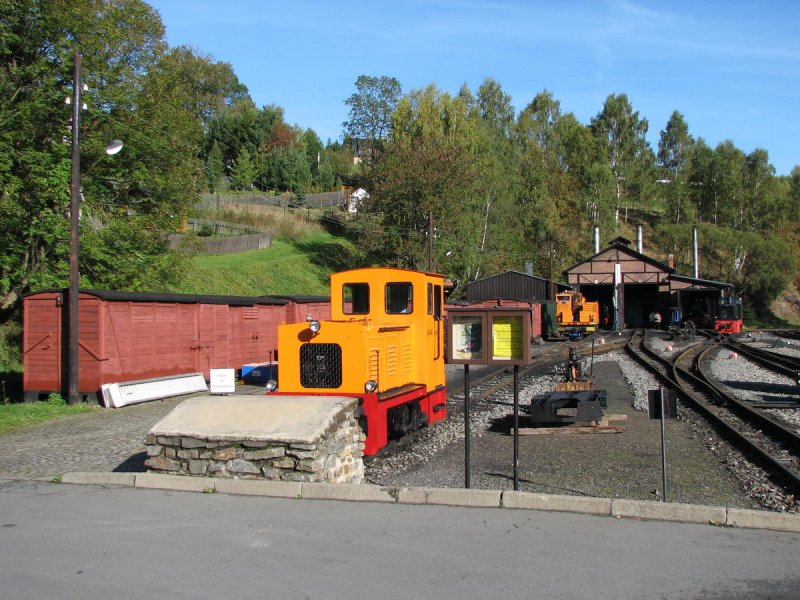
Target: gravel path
(626, 465)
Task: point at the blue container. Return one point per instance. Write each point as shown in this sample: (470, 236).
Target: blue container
(259, 372)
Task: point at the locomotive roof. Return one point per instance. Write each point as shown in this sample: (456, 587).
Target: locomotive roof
(401, 269)
(122, 296)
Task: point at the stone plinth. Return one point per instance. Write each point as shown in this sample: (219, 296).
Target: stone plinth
(286, 438)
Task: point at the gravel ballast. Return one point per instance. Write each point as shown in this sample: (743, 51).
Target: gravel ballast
(701, 468)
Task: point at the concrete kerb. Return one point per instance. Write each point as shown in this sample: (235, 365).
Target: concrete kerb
(254, 487)
(576, 504)
(620, 508)
(177, 483)
(102, 478)
(668, 511)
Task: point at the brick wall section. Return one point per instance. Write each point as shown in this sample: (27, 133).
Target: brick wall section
(335, 457)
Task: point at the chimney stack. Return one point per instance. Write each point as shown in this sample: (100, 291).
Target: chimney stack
(671, 261)
(596, 240)
(528, 268)
(639, 239)
(694, 250)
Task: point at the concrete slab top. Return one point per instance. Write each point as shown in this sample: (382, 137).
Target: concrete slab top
(292, 419)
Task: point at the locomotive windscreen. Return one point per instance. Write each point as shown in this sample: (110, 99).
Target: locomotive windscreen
(321, 365)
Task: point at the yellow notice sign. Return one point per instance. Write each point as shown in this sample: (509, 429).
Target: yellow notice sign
(507, 337)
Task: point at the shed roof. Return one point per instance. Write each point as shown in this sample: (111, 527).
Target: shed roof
(708, 283)
(621, 245)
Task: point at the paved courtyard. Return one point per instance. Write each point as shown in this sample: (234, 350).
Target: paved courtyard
(106, 440)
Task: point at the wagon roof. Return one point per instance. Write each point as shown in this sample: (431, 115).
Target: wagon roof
(299, 299)
(120, 296)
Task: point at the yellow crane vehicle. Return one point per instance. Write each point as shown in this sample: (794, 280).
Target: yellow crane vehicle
(575, 314)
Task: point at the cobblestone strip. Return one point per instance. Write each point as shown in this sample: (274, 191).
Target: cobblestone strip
(105, 440)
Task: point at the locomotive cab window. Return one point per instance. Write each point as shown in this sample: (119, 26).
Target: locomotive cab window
(435, 301)
(355, 299)
(399, 298)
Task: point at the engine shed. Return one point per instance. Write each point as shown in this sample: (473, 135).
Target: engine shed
(629, 285)
(513, 289)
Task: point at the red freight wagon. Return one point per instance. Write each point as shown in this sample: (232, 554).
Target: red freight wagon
(125, 336)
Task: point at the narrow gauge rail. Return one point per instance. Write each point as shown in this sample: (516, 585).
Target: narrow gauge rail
(791, 334)
(775, 446)
(493, 389)
(485, 387)
(778, 363)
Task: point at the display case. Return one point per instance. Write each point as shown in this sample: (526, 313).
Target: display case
(489, 336)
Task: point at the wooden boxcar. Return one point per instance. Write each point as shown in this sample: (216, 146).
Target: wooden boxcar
(125, 336)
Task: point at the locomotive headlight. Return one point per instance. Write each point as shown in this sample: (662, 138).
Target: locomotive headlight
(314, 326)
(371, 386)
(271, 386)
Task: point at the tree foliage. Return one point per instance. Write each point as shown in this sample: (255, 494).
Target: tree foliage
(154, 99)
(371, 108)
(504, 189)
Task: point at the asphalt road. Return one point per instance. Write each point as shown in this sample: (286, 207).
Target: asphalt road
(63, 541)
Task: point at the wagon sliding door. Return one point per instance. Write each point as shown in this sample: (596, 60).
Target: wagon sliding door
(212, 346)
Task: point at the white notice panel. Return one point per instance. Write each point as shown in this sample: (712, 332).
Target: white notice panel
(223, 381)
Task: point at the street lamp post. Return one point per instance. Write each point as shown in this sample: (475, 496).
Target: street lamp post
(73, 396)
(73, 392)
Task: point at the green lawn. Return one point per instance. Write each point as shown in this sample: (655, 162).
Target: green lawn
(286, 268)
(17, 415)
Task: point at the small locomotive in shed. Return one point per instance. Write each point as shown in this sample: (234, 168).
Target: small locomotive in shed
(384, 345)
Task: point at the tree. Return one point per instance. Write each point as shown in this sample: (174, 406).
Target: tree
(206, 86)
(495, 108)
(371, 108)
(629, 155)
(726, 181)
(215, 168)
(243, 172)
(285, 169)
(673, 154)
(763, 210)
(121, 42)
(427, 167)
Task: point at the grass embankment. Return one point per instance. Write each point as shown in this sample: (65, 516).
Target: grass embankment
(18, 415)
(302, 267)
(299, 262)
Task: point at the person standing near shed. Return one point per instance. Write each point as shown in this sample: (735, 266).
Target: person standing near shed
(657, 320)
(652, 319)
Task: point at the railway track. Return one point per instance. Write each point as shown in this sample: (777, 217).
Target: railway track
(768, 442)
(495, 389)
(791, 334)
(779, 363)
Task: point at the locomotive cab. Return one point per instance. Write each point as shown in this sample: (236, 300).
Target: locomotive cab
(384, 344)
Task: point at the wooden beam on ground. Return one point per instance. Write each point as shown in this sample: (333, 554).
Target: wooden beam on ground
(570, 430)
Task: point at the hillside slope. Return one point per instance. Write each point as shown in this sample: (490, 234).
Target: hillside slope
(299, 267)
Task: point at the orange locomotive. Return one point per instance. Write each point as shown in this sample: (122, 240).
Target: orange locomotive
(575, 313)
(384, 345)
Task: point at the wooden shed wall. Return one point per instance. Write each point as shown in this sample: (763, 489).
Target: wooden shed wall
(509, 285)
(600, 270)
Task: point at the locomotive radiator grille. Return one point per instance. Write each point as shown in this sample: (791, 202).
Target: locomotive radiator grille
(321, 365)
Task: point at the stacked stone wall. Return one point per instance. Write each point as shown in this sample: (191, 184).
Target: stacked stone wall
(335, 457)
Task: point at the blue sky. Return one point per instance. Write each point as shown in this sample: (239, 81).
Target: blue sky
(732, 68)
